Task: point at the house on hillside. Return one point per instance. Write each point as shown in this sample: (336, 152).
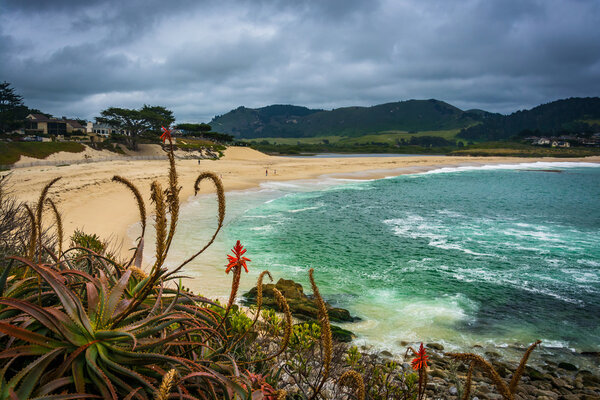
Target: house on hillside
(542, 141)
(560, 143)
(105, 129)
(39, 123)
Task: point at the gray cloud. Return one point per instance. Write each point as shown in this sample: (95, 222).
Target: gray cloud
(205, 58)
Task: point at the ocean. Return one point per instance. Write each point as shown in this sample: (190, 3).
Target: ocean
(485, 258)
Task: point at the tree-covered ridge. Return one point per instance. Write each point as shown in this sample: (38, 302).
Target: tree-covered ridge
(294, 121)
(574, 115)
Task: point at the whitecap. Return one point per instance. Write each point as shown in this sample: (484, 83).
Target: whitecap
(526, 166)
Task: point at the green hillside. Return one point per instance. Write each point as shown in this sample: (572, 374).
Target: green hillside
(573, 115)
(284, 121)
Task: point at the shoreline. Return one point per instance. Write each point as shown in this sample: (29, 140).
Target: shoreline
(86, 193)
(89, 200)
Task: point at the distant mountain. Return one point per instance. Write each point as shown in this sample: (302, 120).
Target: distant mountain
(294, 121)
(574, 115)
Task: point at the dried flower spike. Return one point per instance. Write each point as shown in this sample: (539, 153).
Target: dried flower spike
(237, 259)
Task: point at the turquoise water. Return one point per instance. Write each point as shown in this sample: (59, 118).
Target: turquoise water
(497, 256)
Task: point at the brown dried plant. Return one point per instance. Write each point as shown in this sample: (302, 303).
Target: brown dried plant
(468, 382)
(165, 386)
(326, 337)
(287, 332)
(142, 209)
(507, 391)
(221, 214)
(158, 199)
(59, 225)
(259, 298)
(354, 380)
(172, 194)
(32, 233)
(39, 212)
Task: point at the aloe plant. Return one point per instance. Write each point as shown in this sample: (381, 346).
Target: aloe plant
(75, 345)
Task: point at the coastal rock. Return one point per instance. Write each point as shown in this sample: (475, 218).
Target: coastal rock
(435, 346)
(567, 366)
(547, 394)
(589, 380)
(301, 305)
(438, 373)
(536, 375)
(339, 334)
(386, 354)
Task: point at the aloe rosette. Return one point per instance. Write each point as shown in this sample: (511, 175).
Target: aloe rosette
(75, 344)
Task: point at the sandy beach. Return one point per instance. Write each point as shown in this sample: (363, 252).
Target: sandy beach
(89, 200)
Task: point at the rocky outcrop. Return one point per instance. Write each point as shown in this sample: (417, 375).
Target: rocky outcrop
(302, 306)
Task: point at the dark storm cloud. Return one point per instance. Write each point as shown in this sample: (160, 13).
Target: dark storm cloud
(205, 58)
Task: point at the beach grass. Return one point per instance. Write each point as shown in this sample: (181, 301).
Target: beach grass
(11, 152)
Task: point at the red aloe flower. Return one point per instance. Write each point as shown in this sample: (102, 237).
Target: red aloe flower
(166, 134)
(420, 361)
(237, 259)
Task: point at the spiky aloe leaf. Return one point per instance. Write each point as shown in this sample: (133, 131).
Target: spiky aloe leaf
(115, 335)
(77, 371)
(113, 297)
(123, 370)
(53, 385)
(49, 320)
(29, 336)
(68, 396)
(92, 300)
(18, 351)
(4, 277)
(31, 373)
(98, 376)
(71, 304)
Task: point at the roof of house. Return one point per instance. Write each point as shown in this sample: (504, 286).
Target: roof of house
(38, 117)
(43, 118)
(73, 123)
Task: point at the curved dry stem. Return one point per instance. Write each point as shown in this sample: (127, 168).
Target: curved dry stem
(158, 199)
(235, 285)
(521, 368)
(259, 297)
(287, 333)
(326, 339)
(221, 198)
(59, 225)
(468, 382)
(39, 212)
(32, 234)
(172, 198)
(141, 207)
(422, 383)
(487, 368)
(354, 380)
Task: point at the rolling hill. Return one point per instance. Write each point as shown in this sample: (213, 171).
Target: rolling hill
(301, 122)
(573, 115)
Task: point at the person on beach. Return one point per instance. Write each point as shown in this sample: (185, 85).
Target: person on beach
(266, 172)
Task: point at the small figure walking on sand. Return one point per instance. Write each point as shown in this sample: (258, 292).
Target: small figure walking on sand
(266, 172)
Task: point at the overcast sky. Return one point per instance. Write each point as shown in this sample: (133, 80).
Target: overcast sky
(202, 58)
